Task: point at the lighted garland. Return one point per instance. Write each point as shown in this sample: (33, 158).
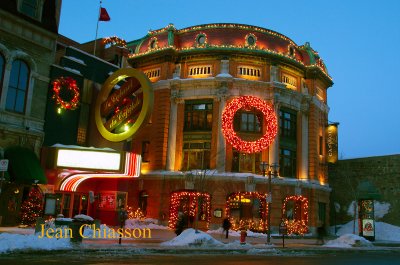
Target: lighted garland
(247, 102)
(66, 83)
(248, 224)
(299, 224)
(114, 40)
(189, 210)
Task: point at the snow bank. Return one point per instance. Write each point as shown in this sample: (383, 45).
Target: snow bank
(189, 237)
(145, 223)
(83, 217)
(237, 233)
(380, 209)
(13, 242)
(383, 231)
(348, 241)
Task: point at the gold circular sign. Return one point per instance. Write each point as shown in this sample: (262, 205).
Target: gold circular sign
(105, 103)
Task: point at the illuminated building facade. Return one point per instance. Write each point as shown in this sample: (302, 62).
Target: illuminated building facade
(226, 98)
(196, 73)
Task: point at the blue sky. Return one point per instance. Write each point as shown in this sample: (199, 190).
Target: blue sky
(358, 40)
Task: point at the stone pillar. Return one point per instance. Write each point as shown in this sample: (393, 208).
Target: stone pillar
(304, 146)
(274, 147)
(221, 147)
(175, 99)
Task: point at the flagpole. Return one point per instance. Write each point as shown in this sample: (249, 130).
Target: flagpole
(97, 29)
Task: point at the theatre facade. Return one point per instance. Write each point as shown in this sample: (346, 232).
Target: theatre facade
(236, 128)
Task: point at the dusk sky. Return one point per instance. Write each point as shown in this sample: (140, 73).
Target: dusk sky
(359, 41)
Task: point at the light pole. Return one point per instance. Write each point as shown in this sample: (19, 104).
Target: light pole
(272, 171)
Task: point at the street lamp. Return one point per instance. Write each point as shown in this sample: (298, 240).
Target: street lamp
(272, 170)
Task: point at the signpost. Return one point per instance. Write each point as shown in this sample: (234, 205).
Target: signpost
(283, 231)
(3, 168)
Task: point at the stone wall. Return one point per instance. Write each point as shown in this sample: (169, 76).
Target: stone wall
(382, 171)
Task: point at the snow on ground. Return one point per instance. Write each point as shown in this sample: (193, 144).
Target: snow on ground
(237, 233)
(383, 231)
(83, 217)
(145, 223)
(12, 242)
(189, 237)
(348, 241)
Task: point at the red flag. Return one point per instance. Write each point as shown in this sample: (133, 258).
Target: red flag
(104, 15)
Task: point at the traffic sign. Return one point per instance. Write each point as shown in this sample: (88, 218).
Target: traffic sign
(3, 164)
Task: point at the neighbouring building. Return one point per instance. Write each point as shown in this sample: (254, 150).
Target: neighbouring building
(28, 34)
(382, 172)
(214, 86)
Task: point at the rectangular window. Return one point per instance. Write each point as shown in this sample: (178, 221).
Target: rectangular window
(145, 151)
(245, 163)
(200, 71)
(30, 8)
(290, 81)
(248, 122)
(196, 155)
(287, 163)
(248, 71)
(287, 124)
(198, 116)
(153, 73)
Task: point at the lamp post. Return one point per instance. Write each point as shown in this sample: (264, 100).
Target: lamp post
(272, 170)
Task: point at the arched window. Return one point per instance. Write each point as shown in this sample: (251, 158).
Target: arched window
(2, 66)
(18, 87)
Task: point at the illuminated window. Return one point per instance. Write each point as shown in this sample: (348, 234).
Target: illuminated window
(289, 80)
(198, 116)
(18, 87)
(245, 163)
(153, 73)
(200, 70)
(246, 121)
(196, 155)
(248, 71)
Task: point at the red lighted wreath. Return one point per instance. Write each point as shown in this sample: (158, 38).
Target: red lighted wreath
(67, 83)
(269, 117)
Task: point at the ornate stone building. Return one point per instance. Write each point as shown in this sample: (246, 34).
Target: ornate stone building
(196, 72)
(28, 33)
(274, 90)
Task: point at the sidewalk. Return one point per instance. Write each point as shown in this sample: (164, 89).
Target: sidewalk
(160, 235)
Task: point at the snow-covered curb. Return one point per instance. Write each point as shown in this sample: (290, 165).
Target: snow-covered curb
(15, 242)
(348, 241)
(189, 237)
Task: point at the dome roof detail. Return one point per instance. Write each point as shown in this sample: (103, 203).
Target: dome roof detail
(227, 37)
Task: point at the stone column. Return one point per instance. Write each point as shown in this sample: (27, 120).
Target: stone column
(175, 99)
(304, 146)
(221, 95)
(274, 147)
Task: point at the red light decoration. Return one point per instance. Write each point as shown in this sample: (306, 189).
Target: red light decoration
(234, 201)
(187, 202)
(299, 224)
(114, 40)
(247, 102)
(66, 83)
